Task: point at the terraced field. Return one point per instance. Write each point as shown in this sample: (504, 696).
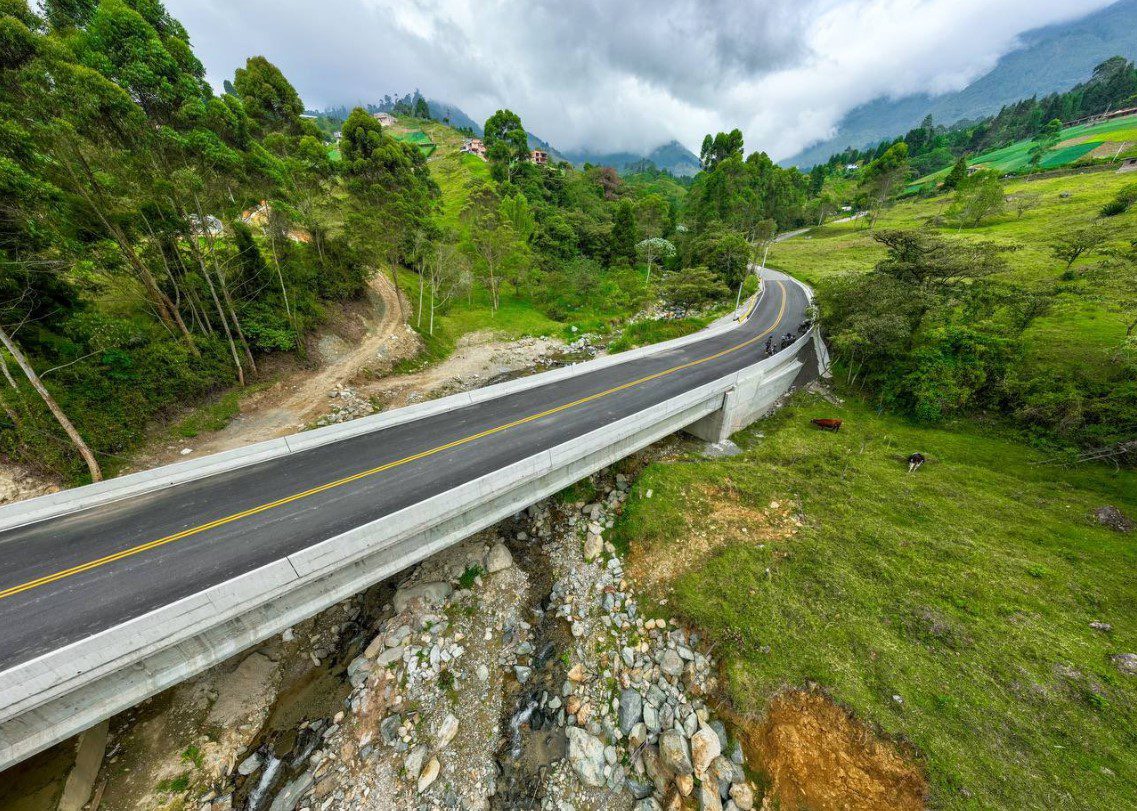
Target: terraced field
(1107, 140)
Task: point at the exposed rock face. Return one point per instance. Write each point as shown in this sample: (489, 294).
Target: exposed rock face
(1125, 662)
(1113, 518)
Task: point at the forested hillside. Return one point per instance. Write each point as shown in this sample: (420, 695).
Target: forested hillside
(1049, 60)
(159, 240)
(932, 146)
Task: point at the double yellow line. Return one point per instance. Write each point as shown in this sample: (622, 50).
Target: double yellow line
(220, 522)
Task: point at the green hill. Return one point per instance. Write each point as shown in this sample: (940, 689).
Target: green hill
(1074, 360)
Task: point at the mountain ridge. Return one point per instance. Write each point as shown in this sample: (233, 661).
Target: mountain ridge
(1051, 59)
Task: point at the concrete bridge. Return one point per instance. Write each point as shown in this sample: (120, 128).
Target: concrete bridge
(113, 592)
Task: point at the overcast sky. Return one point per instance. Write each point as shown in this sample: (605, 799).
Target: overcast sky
(625, 74)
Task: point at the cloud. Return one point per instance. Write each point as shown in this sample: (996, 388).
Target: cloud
(629, 74)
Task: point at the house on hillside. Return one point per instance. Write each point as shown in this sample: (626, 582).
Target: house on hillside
(1128, 165)
(539, 157)
(386, 119)
(474, 146)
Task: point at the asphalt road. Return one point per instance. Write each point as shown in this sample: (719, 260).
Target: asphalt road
(66, 578)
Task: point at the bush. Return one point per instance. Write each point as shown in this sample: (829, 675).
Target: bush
(1126, 197)
(693, 287)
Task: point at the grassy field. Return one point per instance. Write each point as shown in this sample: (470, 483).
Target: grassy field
(1074, 143)
(1085, 325)
(949, 608)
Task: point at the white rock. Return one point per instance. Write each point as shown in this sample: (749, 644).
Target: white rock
(498, 558)
(429, 774)
(586, 754)
(446, 732)
(430, 593)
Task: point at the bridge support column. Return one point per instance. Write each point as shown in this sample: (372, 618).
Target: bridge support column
(753, 395)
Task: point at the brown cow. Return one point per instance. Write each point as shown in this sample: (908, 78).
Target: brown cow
(827, 424)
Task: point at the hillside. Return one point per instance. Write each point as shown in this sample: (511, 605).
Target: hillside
(950, 609)
(1050, 59)
(1074, 376)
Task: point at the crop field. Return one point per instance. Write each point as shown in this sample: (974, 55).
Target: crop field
(417, 138)
(1074, 143)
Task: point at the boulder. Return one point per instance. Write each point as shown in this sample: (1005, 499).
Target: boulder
(374, 647)
(446, 732)
(390, 656)
(1126, 663)
(705, 747)
(670, 663)
(722, 772)
(586, 755)
(631, 710)
(429, 774)
(429, 593)
(708, 797)
(651, 718)
(1110, 516)
(593, 546)
(673, 752)
(498, 558)
(414, 762)
(743, 796)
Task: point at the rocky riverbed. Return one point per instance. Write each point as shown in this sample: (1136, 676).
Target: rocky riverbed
(515, 670)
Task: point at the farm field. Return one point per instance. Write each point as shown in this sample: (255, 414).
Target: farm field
(1086, 323)
(1108, 139)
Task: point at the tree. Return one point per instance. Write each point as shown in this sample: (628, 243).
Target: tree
(448, 273)
(884, 177)
(980, 197)
(1045, 141)
(654, 248)
(57, 412)
(1074, 243)
(490, 235)
(519, 213)
(957, 176)
(722, 146)
(507, 144)
(693, 287)
(270, 100)
(421, 109)
(652, 212)
(725, 252)
(624, 233)
(1025, 201)
(69, 13)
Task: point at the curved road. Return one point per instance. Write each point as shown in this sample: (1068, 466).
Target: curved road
(66, 578)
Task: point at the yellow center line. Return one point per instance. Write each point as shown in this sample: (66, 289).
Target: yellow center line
(177, 536)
